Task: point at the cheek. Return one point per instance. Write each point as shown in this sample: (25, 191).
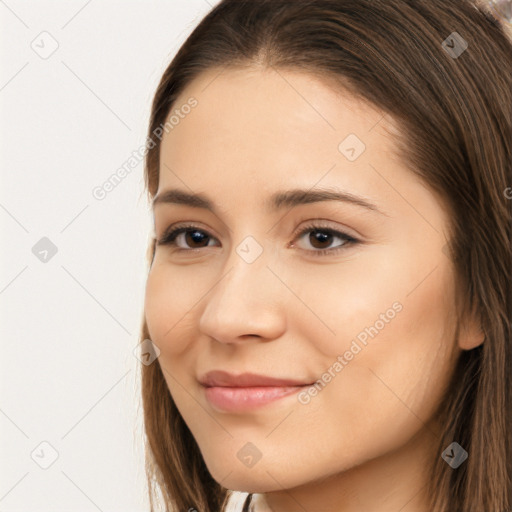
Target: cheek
(422, 345)
(396, 298)
(393, 384)
(168, 305)
(354, 301)
(169, 312)
(395, 361)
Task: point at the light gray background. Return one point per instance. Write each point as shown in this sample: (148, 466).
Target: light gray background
(69, 325)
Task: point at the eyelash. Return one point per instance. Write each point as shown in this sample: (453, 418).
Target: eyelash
(169, 238)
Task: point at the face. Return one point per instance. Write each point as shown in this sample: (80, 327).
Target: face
(350, 297)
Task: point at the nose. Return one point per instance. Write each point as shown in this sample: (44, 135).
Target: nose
(247, 300)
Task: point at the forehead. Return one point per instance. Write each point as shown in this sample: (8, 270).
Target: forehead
(270, 129)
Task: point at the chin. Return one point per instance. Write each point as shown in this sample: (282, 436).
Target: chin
(255, 479)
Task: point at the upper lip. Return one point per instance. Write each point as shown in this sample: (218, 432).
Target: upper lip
(224, 379)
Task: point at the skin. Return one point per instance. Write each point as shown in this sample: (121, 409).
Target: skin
(361, 444)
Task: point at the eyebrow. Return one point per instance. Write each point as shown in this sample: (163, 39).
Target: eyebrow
(278, 200)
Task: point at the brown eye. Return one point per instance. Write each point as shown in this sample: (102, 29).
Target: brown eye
(321, 238)
(193, 238)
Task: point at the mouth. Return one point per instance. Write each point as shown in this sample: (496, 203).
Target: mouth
(245, 399)
(229, 393)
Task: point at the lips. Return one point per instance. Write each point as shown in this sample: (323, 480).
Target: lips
(241, 393)
(218, 378)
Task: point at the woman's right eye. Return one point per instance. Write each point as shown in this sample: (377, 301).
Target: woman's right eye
(190, 235)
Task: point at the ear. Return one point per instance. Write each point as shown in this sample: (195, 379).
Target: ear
(471, 334)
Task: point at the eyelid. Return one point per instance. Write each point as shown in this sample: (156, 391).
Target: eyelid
(184, 224)
(174, 230)
(320, 223)
(315, 225)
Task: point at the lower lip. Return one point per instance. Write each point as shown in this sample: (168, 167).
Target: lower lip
(233, 399)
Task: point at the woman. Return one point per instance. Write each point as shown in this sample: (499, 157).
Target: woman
(329, 291)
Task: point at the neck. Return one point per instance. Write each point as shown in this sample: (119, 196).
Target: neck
(396, 481)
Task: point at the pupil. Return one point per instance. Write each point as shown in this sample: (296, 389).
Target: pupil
(194, 236)
(319, 237)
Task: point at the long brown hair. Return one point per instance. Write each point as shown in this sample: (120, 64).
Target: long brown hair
(454, 107)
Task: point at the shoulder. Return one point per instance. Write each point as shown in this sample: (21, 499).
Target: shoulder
(236, 500)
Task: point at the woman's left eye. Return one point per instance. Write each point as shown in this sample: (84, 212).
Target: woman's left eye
(319, 238)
